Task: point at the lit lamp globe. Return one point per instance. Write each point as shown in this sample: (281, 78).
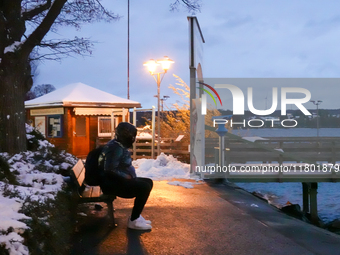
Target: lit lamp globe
(151, 65)
(166, 63)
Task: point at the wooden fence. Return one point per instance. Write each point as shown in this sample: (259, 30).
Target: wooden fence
(168, 146)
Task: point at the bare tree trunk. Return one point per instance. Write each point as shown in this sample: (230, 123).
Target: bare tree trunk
(15, 81)
(15, 70)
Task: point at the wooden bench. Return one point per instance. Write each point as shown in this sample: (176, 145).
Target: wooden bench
(88, 194)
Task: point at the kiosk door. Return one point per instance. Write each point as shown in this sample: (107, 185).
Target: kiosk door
(81, 138)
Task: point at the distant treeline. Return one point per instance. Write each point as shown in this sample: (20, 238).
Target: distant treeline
(328, 118)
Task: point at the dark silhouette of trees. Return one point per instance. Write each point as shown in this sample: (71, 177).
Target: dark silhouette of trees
(38, 91)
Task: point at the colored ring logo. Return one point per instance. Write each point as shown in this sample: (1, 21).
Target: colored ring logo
(209, 93)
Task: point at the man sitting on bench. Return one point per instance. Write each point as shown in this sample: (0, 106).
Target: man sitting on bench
(120, 177)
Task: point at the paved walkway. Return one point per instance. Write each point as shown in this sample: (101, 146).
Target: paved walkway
(215, 219)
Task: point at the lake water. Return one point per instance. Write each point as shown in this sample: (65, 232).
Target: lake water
(280, 193)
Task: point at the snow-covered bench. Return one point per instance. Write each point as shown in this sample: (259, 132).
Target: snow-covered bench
(88, 194)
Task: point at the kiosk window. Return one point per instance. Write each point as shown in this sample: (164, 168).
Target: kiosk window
(104, 126)
(54, 124)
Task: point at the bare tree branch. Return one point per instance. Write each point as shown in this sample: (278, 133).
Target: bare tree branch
(39, 33)
(109, 14)
(192, 6)
(75, 13)
(63, 48)
(85, 11)
(30, 14)
(63, 12)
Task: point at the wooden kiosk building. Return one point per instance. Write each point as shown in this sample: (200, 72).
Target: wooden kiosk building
(77, 117)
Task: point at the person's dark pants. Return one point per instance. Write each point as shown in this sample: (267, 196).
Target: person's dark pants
(139, 188)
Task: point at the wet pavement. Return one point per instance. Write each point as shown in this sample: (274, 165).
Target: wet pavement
(208, 219)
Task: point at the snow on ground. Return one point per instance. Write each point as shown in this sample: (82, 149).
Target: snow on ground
(144, 135)
(165, 167)
(188, 185)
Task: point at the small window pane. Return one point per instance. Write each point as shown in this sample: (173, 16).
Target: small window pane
(40, 124)
(104, 126)
(54, 126)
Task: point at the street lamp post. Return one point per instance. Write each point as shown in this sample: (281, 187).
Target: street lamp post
(163, 99)
(152, 65)
(317, 114)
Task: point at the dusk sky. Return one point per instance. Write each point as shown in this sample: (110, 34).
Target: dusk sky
(243, 39)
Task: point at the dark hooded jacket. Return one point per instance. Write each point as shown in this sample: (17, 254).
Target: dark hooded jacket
(116, 158)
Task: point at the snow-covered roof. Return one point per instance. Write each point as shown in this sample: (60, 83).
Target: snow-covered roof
(79, 94)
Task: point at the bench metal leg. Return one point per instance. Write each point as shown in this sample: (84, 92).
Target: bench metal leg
(111, 213)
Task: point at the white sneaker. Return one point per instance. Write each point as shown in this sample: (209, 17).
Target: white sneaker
(138, 224)
(146, 221)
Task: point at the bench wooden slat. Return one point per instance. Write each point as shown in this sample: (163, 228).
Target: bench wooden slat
(81, 177)
(96, 191)
(78, 168)
(87, 192)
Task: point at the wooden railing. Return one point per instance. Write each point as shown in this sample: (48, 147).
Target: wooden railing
(280, 149)
(168, 146)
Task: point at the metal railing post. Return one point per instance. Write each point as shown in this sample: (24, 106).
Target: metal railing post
(134, 122)
(153, 133)
(221, 131)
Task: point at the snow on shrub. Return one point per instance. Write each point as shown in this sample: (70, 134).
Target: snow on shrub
(29, 181)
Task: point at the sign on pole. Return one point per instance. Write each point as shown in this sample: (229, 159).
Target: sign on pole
(197, 141)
